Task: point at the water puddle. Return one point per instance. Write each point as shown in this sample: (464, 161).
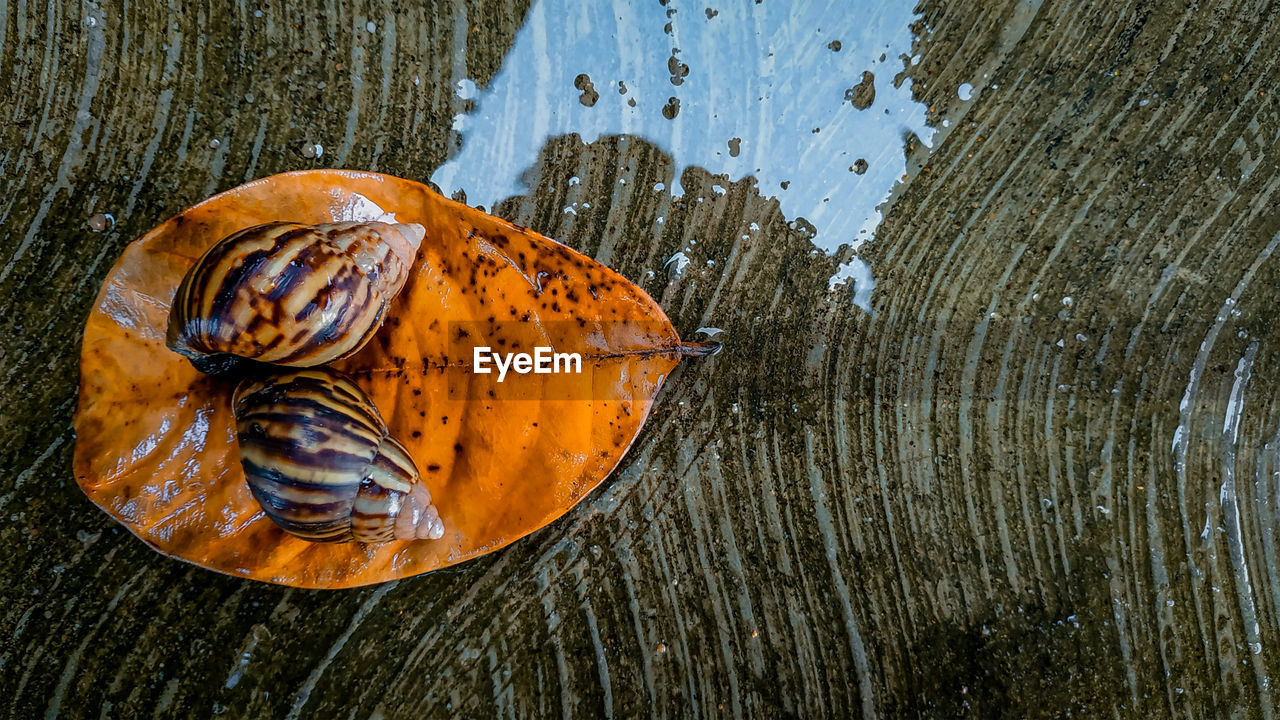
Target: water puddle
(800, 95)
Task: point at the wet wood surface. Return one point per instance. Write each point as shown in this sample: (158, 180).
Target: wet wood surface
(1040, 479)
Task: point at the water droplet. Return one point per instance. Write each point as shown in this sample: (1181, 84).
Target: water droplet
(101, 222)
(371, 26)
(965, 91)
(215, 143)
(677, 263)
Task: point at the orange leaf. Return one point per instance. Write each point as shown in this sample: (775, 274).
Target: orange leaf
(156, 444)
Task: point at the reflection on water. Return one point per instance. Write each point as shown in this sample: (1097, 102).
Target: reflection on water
(799, 94)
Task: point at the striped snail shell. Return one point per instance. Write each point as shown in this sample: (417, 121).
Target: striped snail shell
(317, 456)
(290, 294)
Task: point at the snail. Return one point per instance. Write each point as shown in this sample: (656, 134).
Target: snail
(319, 460)
(290, 294)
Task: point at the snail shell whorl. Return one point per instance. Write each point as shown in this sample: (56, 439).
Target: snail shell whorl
(317, 456)
(290, 294)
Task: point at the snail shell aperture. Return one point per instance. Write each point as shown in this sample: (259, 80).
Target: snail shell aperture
(290, 294)
(317, 456)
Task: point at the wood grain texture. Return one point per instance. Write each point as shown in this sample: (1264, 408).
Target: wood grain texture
(981, 500)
